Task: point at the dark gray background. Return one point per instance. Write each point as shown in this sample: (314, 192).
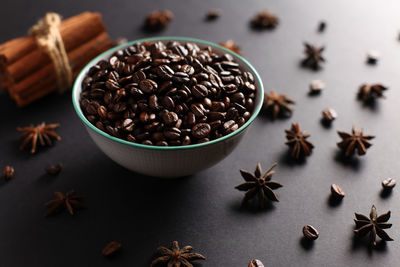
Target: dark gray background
(204, 210)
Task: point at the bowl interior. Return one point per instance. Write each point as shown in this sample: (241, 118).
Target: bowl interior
(244, 65)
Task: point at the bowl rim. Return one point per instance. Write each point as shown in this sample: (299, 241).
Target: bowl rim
(77, 85)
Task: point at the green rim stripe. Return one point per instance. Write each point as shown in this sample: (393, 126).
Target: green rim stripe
(77, 85)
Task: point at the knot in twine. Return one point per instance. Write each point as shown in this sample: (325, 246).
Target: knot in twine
(49, 39)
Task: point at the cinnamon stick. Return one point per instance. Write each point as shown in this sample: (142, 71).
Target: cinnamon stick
(43, 81)
(74, 32)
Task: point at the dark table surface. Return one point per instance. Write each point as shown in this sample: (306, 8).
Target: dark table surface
(204, 210)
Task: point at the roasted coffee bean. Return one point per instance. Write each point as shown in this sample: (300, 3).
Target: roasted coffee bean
(389, 183)
(199, 91)
(53, 169)
(170, 118)
(201, 130)
(156, 93)
(337, 191)
(147, 86)
(172, 133)
(310, 232)
(147, 142)
(8, 172)
(230, 127)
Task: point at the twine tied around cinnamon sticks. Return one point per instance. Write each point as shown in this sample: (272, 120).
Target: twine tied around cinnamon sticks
(48, 38)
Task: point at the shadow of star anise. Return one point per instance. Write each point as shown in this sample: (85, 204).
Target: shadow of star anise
(354, 141)
(42, 133)
(313, 56)
(374, 225)
(69, 201)
(259, 184)
(176, 257)
(297, 141)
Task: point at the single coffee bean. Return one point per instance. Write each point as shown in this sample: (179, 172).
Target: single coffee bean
(102, 111)
(186, 141)
(8, 172)
(111, 248)
(201, 130)
(170, 118)
(172, 133)
(256, 263)
(147, 142)
(199, 91)
(337, 191)
(197, 109)
(128, 125)
(230, 126)
(310, 232)
(53, 169)
(389, 183)
(168, 103)
(147, 86)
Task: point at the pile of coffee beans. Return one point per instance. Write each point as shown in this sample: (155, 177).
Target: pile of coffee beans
(168, 94)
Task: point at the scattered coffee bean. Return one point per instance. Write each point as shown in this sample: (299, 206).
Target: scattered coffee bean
(328, 115)
(8, 172)
(111, 248)
(168, 94)
(310, 232)
(373, 57)
(316, 87)
(256, 263)
(213, 14)
(389, 183)
(337, 191)
(321, 26)
(53, 169)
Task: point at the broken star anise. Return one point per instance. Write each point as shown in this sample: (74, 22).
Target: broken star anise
(176, 257)
(41, 133)
(297, 141)
(230, 44)
(374, 225)
(354, 141)
(259, 184)
(313, 56)
(277, 104)
(69, 201)
(264, 20)
(369, 92)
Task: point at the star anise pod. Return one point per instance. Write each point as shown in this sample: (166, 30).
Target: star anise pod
(297, 141)
(176, 257)
(69, 201)
(313, 56)
(374, 224)
(277, 104)
(354, 141)
(259, 184)
(42, 133)
(230, 44)
(369, 92)
(158, 19)
(264, 20)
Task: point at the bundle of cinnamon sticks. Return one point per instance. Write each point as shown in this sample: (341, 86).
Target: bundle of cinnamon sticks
(27, 72)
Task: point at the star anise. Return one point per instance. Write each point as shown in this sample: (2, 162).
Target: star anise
(259, 184)
(277, 104)
(69, 201)
(297, 142)
(264, 20)
(369, 92)
(230, 44)
(42, 133)
(313, 56)
(354, 141)
(176, 257)
(158, 19)
(374, 224)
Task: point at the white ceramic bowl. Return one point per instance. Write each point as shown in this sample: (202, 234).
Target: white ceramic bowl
(173, 161)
